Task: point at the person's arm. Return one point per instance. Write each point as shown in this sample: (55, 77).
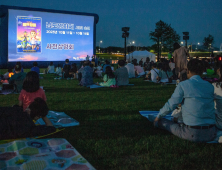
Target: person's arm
(47, 121)
(149, 72)
(172, 103)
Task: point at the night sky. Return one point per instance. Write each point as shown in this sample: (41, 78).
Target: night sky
(199, 17)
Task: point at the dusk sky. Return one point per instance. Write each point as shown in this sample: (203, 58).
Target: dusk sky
(199, 17)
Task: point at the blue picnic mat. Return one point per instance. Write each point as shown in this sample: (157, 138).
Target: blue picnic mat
(151, 115)
(38, 154)
(93, 86)
(59, 119)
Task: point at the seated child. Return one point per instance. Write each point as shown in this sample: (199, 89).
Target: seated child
(17, 79)
(108, 78)
(66, 69)
(154, 73)
(31, 90)
(35, 67)
(58, 69)
(7, 75)
(14, 123)
(51, 68)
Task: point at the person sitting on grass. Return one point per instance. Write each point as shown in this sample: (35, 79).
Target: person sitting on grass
(139, 70)
(165, 74)
(7, 75)
(218, 98)
(35, 67)
(85, 74)
(17, 79)
(31, 90)
(130, 69)
(154, 73)
(108, 78)
(58, 70)
(73, 70)
(121, 73)
(14, 123)
(51, 68)
(107, 63)
(18, 63)
(197, 98)
(66, 69)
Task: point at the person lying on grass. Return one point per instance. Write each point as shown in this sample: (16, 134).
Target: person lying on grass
(108, 78)
(30, 90)
(197, 98)
(14, 123)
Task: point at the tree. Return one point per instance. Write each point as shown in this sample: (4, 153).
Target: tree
(208, 42)
(165, 34)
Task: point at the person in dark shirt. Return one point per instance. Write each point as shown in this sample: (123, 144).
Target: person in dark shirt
(66, 69)
(35, 67)
(14, 123)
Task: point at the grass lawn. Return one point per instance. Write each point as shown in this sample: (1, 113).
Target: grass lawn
(113, 135)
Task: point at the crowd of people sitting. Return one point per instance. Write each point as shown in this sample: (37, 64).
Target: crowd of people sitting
(199, 102)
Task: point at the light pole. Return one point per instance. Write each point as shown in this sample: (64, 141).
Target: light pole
(196, 45)
(99, 45)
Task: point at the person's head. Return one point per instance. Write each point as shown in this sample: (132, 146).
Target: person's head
(33, 33)
(67, 61)
(91, 65)
(9, 70)
(171, 60)
(18, 67)
(109, 72)
(166, 66)
(147, 59)
(73, 65)
(176, 46)
(35, 64)
(195, 67)
(121, 63)
(154, 65)
(86, 63)
(38, 108)
(160, 65)
(51, 63)
(59, 65)
(31, 82)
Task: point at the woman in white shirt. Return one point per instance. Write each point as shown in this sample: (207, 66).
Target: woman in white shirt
(218, 99)
(154, 73)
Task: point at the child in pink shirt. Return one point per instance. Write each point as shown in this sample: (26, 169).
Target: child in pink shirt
(31, 90)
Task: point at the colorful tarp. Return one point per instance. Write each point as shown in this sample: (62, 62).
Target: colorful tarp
(39, 154)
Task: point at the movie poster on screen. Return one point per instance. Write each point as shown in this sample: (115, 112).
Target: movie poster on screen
(29, 34)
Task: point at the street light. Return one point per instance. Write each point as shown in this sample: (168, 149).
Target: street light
(99, 45)
(181, 42)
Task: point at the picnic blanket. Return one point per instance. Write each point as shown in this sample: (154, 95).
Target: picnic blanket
(173, 82)
(39, 154)
(151, 115)
(93, 86)
(59, 119)
(11, 91)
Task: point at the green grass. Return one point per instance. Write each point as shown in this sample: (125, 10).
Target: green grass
(113, 135)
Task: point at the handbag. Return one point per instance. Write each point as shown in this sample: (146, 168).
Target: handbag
(169, 79)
